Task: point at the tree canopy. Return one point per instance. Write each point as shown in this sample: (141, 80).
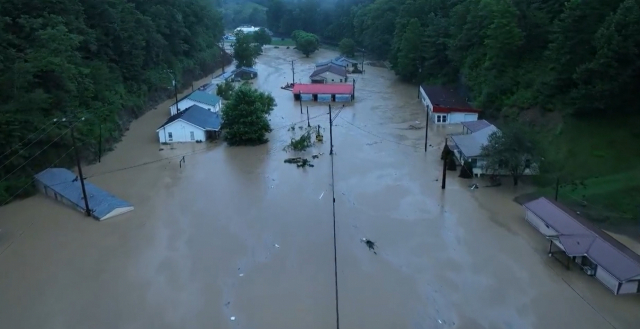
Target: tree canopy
(106, 61)
(244, 52)
(306, 42)
(262, 37)
(245, 116)
(347, 47)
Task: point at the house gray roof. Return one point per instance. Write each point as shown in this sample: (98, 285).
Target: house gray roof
(475, 126)
(332, 61)
(471, 145)
(197, 116)
(445, 97)
(337, 70)
(580, 237)
(345, 59)
(248, 69)
(64, 182)
(204, 98)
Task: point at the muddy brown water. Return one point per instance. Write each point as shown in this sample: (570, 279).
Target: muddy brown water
(237, 233)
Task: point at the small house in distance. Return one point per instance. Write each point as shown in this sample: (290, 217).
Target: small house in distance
(340, 61)
(594, 251)
(195, 124)
(446, 106)
(245, 73)
(200, 98)
(329, 74)
(64, 186)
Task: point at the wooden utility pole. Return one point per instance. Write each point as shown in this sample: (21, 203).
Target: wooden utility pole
(300, 96)
(330, 132)
(308, 122)
(444, 167)
(87, 210)
(293, 73)
(426, 131)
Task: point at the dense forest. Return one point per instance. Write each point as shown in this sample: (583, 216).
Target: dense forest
(578, 56)
(106, 61)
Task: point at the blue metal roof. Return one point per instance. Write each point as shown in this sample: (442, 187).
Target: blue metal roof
(204, 97)
(197, 116)
(64, 182)
(249, 69)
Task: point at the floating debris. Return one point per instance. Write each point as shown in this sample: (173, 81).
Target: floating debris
(241, 274)
(276, 245)
(299, 162)
(370, 244)
(474, 186)
(233, 318)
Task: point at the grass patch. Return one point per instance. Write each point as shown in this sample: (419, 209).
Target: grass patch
(598, 162)
(283, 42)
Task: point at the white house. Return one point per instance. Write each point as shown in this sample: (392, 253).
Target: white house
(247, 29)
(194, 124)
(329, 74)
(446, 106)
(201, 98)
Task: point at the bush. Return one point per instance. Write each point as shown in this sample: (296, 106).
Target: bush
(466, 171)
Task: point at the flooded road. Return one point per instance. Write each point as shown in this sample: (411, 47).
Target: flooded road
(236, 233)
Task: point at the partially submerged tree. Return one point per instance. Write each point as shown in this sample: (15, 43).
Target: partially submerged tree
(225, 90)
(245, 116)
(262, 37)
(306, 42)
(243, 50)
(347, 47)
(512, 151)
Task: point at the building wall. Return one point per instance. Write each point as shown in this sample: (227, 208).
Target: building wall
(55, 196)
(457, 117)
(333, 78)
(186, 103)
(607, 279)
(629, 287)
(181, 133)
(538, 224)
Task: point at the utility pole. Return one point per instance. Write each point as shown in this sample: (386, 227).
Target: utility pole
(175, 88)
(444, 167)
(426, 130)
(100, 144)
(293, 73)
(308, 123)
(300, 96)
(330, 132)
(87, 210)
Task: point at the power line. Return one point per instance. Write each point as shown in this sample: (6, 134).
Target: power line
(33, 180)
(373, 134)
(53, 141)
(37, 139)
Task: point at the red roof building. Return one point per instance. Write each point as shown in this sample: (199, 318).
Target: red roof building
(333, 92)
(446, 106)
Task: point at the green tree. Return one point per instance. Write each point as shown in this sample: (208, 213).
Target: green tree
(409, 59)
(275, 13)
(262, 37)
(244, 52)
(347, 47)
(307, 43)
(512, 151)
(225, 90)
(245, 116)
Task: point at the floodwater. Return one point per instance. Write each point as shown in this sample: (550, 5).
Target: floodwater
(238, 233)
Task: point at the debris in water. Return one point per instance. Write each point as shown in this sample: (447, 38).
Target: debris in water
(276, 245)
(227, 304)
(241, 274)
(300, 162)
(370, 244)
(233, 318)
(321, 195)
(474, 186)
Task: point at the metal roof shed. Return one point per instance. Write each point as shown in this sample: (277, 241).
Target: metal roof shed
(616, 266)
(64, 185)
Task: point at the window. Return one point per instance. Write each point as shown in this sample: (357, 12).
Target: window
(438, 118)
(340, 80)
(332, 80)
(474, 163)
(192, 135)
(170, 136)
(527, 163)
(444, 118)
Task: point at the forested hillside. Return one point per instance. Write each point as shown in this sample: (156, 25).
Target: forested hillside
(578, 56)
(104, 60)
